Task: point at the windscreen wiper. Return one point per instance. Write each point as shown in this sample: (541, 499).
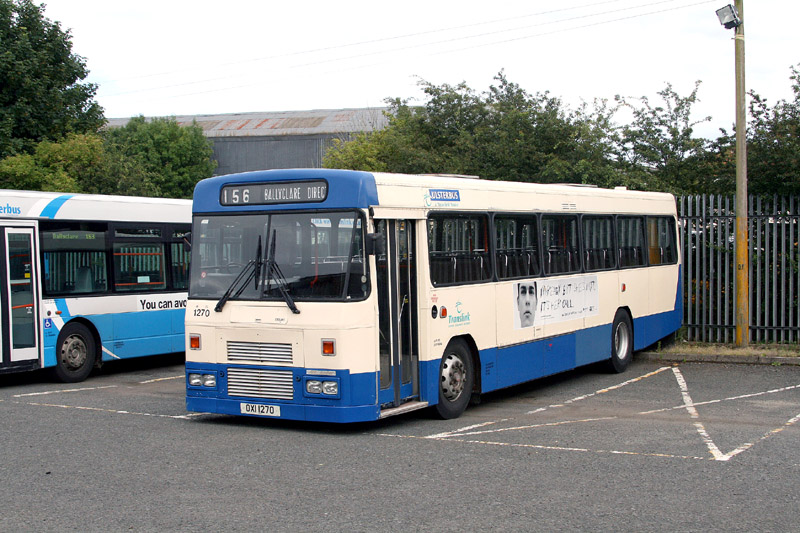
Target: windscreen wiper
(274, 272)
(252, 270)
(238, 284)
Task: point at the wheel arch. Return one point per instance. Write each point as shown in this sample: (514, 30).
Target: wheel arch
(89, 325)
(627, 310)
(476, 359)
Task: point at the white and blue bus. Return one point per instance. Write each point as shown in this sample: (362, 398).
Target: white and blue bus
(342, 296)
(90, 278)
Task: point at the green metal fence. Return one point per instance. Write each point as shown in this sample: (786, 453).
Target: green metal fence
(707, 237)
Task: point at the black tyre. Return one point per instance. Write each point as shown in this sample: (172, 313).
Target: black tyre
(456, 378)
(621, 342)
(76, 352)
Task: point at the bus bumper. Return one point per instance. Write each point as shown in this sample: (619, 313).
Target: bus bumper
(356, 400)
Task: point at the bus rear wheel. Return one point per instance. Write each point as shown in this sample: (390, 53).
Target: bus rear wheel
(621, 342)
(76, 353)
(456, 378)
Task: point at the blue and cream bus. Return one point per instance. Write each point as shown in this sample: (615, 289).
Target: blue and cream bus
(341, 296)
(90, 278)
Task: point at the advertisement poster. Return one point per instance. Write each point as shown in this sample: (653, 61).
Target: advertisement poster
(547, 301)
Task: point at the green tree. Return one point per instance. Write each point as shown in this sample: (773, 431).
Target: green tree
(658, 147)
(53, 166)
(42, 96)
(175, 157)
(773, 143)
(504, 133)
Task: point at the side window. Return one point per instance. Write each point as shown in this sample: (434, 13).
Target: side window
(74, 258)
(458, 247)
(630, 239)
(598, 243)
(180, 254)
(517, 241)
(560, 242)
(661, 247)
(138, 260)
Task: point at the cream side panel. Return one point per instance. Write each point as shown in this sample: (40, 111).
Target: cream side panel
(663, 286)
(636, 282)
(609, 299)
(470, 310)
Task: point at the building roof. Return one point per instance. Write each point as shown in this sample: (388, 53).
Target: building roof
(280, 123)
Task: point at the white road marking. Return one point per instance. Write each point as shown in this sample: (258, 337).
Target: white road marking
(460, 431)
(701, 429)
(530, 426)
(114, 411)
(61, 391)
(601, 391)
(181, 376)
(688, 404)
(554, 448)
(730, 398)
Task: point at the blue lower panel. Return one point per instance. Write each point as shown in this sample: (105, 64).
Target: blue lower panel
(125, 335)
(356, 401)
(512, 365)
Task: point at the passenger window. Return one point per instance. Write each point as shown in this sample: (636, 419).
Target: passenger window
(138, 260)
(630, 239)
(661, 240)
(74, 256)
(458, 247)
(517, 241)
(598, 243)
(560, 241)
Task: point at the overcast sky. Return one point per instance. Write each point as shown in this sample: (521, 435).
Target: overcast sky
(177, 57)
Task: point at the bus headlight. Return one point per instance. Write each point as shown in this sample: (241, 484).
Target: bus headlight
(203, 380)
(314, 387)
(330, 387)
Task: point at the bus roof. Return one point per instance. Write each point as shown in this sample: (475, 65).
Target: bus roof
(348, 189)
(72, 206)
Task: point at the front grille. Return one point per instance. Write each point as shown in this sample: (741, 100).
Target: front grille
(259, 352)
(261, 383)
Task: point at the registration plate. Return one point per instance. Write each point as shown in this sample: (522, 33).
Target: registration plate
(259, 409)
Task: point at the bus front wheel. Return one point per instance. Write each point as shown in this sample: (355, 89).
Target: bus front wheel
(75, 352)
(621, 342)
(456, 378)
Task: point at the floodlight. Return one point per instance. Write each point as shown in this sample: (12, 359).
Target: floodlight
(729, 17)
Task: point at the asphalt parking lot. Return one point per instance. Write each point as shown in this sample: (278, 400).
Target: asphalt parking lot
(660, 447)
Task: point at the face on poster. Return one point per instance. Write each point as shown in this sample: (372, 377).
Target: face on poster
(526, 304)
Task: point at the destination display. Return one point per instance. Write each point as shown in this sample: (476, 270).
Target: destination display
(285, 192)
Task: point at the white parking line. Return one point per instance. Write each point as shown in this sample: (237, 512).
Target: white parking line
(740, 397)
(688, 404)
(701, 429)
(554, 448)
(114, 411)
(181, 376)
(45, 393)
(460, 431)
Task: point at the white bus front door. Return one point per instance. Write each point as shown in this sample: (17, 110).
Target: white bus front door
(19, 309)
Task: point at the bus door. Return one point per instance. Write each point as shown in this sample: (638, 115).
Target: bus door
(18, 310)
(397, 314)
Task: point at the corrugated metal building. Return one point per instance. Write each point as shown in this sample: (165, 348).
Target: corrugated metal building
(283, 139)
